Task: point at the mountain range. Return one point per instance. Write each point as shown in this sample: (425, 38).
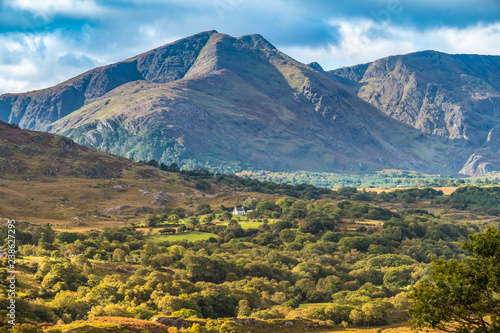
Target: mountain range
(228, 104)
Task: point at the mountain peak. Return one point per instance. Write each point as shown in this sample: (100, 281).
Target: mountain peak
(427, 52)
(213, 31)
(257, 41)
(204, 35)
(317, 67)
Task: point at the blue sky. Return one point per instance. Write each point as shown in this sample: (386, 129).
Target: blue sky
(46, 42)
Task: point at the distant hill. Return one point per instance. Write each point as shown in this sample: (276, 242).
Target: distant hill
(28, 155)
(229, 104)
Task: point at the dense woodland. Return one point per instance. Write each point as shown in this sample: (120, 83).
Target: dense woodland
(383, 179)
(345, 249)
(386, 178)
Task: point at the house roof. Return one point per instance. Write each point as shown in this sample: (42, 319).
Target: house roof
(239, 209)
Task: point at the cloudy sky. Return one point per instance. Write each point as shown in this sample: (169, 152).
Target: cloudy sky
(43, 42)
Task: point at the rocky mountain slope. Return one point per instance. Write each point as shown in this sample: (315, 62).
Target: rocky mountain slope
(36, 109)
(454, 96)
(457, 96)
(215, 101)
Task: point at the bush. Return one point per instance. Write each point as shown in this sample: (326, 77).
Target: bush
(185, 313)
(26, 328)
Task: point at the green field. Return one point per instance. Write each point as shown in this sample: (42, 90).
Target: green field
(251, 224)
(247, 225)
(371, 222)
(189, 236)
(306, 305)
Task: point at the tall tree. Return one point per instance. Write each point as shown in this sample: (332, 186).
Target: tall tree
(48, 235)
(462, 296)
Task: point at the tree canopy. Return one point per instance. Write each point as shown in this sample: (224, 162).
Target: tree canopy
(462, 297)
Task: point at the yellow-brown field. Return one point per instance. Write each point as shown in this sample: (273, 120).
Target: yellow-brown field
(81, 204)
(446, 190)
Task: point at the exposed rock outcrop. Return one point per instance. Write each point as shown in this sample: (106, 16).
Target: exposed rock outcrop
(477, 165)
(160, 199)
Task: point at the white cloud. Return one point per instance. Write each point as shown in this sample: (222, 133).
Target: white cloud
(361, 41)
(22, 71)
(12, 46)
(36, 64)
(150, 33)
(481, 39)
(49, 8)
(364, 40)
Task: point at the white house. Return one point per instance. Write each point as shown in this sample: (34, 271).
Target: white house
(239, 211)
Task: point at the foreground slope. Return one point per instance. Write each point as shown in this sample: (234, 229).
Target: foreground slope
(49, 178)
(211, 100)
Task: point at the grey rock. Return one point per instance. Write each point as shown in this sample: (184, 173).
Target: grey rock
(115, 210)
(160, 199)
